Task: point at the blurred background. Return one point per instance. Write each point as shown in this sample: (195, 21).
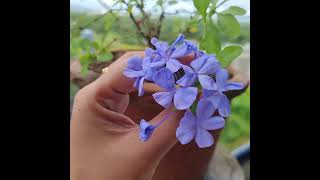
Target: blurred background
(109, 26)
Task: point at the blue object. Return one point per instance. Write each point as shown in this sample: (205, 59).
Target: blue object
(242, 153)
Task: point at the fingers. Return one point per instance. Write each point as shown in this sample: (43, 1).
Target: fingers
(112, 87)
(113, 76)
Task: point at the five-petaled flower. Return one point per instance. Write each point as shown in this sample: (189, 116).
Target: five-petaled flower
(200, 68)
(196, 127)
(141, 69)
(217, 96)
(182, 97)
(160, 65)
(169, 55)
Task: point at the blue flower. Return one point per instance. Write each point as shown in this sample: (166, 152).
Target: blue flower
(182, 97)
(146, 130)
(217, 96)
(140, 69)
(200, 69)
(87, 34)
(196, 127)
(169, 55)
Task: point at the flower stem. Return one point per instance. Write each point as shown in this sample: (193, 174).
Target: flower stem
(163, 119)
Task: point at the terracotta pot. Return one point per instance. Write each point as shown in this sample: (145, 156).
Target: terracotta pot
(183, 162)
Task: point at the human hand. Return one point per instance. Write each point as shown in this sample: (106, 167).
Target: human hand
(104, 143)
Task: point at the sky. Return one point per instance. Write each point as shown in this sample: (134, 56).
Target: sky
(96, 7)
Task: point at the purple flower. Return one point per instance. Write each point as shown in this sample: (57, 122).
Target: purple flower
(197, 127)
(170, 54)
(200, 68)
(182, 97)
(146, 130)
(140, 69)
(217, 96)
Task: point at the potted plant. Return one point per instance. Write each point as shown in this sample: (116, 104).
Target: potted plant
(187, 161)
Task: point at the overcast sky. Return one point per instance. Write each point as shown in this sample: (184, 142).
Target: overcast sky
(94, 6)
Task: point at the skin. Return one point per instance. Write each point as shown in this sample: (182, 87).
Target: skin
(104, 133)
(104, 143)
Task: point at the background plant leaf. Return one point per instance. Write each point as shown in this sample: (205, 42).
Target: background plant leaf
(228, 54)
(229, 25)
(202, 6)
(105, 56)
(211, 43)
(235, 10)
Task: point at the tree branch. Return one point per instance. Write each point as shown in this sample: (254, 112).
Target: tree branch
(160, 23)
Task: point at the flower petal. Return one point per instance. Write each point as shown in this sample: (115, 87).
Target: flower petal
(213, 96)
(135, 63)
(224, 106)
(232, 86)
(211, 66)
(163, 98)
(187, 128)
(198, 63)
(184, 97)
(136, 83)
(164, 79)
(191, 46)
(187, 80)
(149, 73)
(173, 64)
(132, 73)
(180, 52)
(205, 109)
(221, 78)
(179, 39)
(208, 93)
(141, 90)
(149, 51)
(216, 122)
(187, 69)
(146, 130)
(203, 138)
(207, 82)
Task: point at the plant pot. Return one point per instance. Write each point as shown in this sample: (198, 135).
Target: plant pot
(183, 162)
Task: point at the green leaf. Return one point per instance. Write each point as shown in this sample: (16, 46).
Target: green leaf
(202, 6)
(211, 42)
(85, 61)
(105, 56)
(85, 43)
(109, 21)
(84, 70)
(228, 54)
(160, 2)
(235, 10)
(95, 45)
(229, 25)
(130, 8)
(193, 107)
(172, 2)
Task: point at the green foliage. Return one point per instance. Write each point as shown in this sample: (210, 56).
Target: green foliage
(211, 42)
(106, 56)
(228, 54)
(229, 25)
(237, 129)
(234, 10)
(73, 89)
(201, 6)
